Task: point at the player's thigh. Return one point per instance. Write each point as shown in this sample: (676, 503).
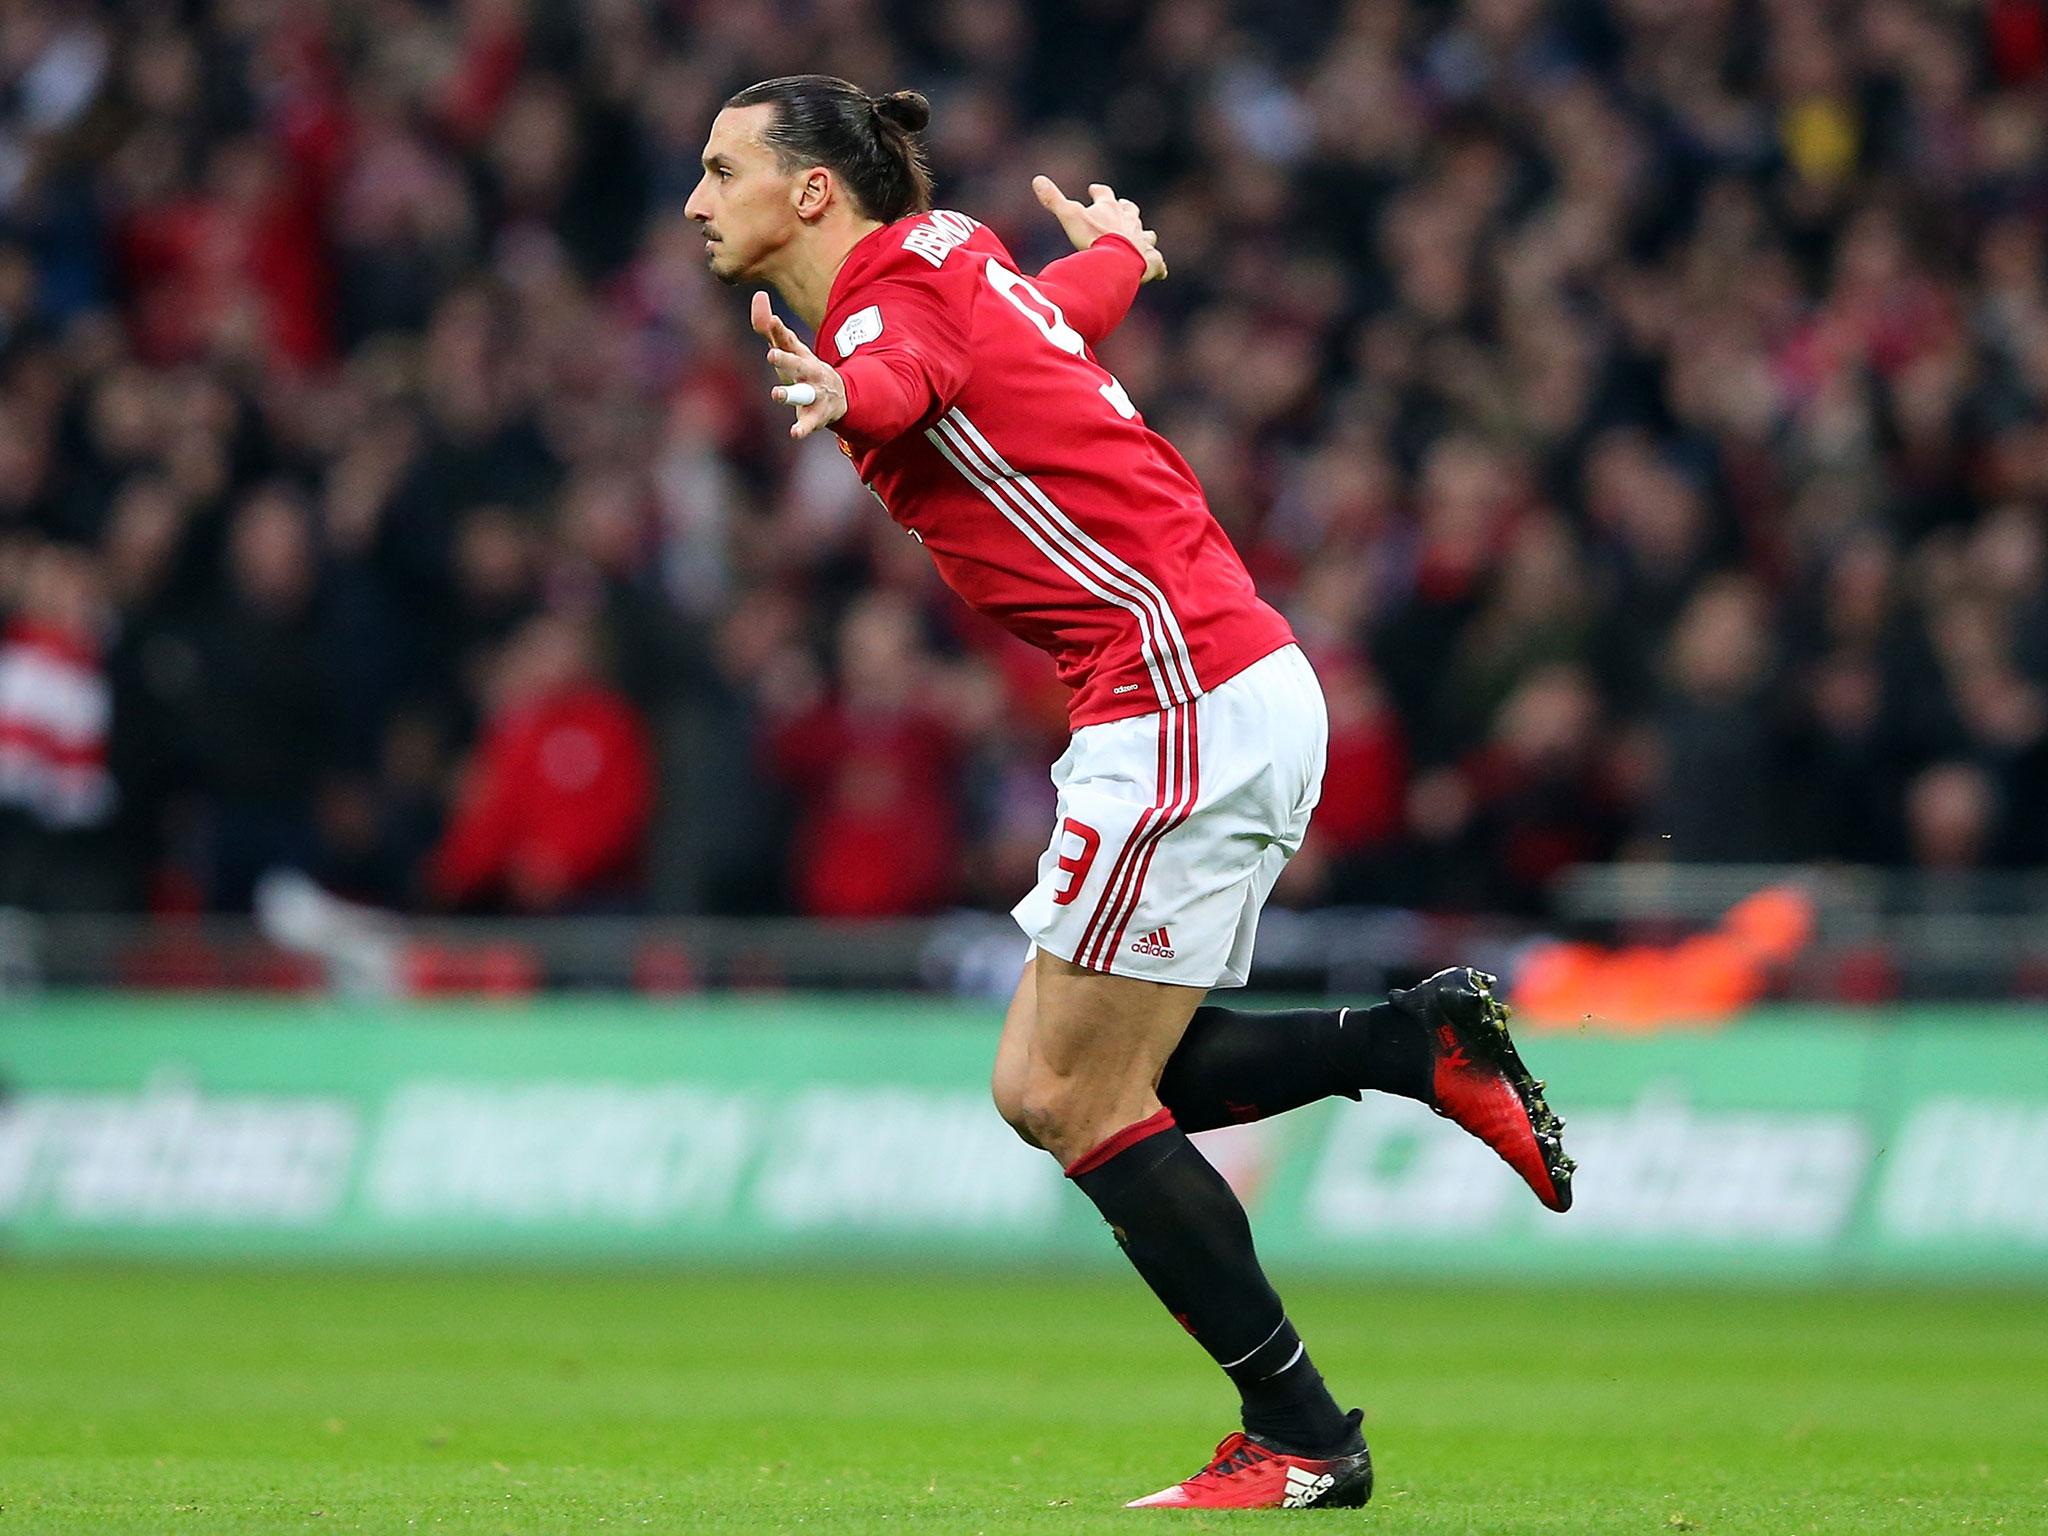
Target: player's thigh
(1097, 1036)
(1013, 1050)
(1092, 1052)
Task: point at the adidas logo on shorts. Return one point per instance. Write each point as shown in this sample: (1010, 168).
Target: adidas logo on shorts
(1155, 943)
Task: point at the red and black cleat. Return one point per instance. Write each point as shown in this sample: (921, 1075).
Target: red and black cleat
(1480, 1083)
(1244, 1474)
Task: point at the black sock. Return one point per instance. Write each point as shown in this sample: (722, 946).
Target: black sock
(1182, 1228)
(1233, 1066)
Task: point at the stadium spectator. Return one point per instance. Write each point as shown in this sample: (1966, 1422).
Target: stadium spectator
(1719, 774)
(1537, 797)
(1952, 816)
(57, 794)
(255, 706)
(555, 802)
(872, 765)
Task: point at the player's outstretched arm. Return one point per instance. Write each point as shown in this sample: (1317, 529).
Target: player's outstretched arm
(1094, 286)
(809, 383)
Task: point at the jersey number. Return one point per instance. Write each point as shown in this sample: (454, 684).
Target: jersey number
(1036, 308)
(1076, 865)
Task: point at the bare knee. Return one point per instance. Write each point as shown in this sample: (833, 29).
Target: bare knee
(1008, 1090)
(1042, 1110)
(1042, 1107)
(1068, 1115)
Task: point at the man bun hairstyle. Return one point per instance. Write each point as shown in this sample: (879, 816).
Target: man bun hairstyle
(866, 141)
(908, 110)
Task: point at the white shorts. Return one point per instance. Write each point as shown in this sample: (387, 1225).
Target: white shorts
(1173, 827)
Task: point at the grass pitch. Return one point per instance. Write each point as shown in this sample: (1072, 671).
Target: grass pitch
(186, 1400)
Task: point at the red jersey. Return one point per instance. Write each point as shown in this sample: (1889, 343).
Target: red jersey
(977, 413)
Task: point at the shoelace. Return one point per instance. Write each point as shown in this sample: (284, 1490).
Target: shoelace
(1233, 1460)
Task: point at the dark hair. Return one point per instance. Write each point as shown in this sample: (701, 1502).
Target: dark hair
(866, 141)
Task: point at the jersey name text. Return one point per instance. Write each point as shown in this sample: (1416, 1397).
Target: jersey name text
(939, 235)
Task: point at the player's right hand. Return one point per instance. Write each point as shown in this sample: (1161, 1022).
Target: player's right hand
(1108, 214)
(795, 363)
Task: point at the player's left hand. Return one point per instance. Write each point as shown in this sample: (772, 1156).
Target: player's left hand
(795, 363)
(1106, 214)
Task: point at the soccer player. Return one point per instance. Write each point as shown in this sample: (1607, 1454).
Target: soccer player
(969, 399)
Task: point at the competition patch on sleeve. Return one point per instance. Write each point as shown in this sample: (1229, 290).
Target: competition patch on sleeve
(859, 328)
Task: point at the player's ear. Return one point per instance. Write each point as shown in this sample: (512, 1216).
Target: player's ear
(813, 192)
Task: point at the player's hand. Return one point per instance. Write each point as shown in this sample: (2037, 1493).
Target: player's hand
(795, 363)
(1108, 214)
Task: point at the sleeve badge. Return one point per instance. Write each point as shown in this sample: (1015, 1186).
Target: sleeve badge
(858, 328)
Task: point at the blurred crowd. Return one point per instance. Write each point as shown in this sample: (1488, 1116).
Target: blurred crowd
(1640, 408)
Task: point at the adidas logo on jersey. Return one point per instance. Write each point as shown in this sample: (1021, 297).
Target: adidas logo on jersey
(1155, 943)
(1305, 1487)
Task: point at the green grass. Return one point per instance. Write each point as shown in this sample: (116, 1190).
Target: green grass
(187, 1400)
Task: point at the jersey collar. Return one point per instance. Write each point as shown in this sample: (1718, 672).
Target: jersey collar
(870, 249)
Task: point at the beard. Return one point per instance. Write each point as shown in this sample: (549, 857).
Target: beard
(716, 263)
